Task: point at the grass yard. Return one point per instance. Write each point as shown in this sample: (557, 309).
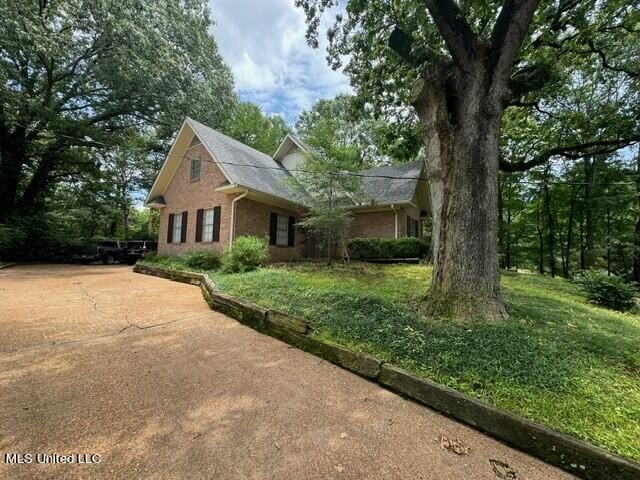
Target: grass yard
(558, 360)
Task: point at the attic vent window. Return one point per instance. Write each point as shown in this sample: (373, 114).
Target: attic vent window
(195, 169)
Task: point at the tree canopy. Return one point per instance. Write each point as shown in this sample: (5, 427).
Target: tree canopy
(374, 140)
(79, 75)
(251, 126)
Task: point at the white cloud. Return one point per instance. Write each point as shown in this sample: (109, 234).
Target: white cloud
(263, 41)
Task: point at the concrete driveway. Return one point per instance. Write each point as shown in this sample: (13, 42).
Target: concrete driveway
(99, 360)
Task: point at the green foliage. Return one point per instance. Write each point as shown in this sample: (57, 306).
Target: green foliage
(327, 226)
(78, 78)
(171, 262)
(408, 247)
(26, 239)
(151, 257)
(192, 261)
(248, 124)
(345, 122)
(319, 185)
(610, 291)
(559, 360)
(203, 260)
(247, 253)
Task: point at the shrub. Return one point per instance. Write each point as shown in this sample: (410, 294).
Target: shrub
(408, 247)
(203, 260)
(607, 290)
(150, 256)
(246, 254)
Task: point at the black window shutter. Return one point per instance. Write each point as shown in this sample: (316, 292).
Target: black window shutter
(199, 215)
(273, 228)
(216, 224)
(408, 226)
(183, 236)
(170, 229)
(291, 241)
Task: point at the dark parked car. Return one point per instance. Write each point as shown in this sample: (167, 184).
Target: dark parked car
(107, 252)
(136, 249)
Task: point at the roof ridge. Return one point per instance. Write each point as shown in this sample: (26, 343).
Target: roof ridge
(233, 140)
(394, 166)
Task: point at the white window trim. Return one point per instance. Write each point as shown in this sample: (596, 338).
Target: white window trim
(177, 228)
(207, 228)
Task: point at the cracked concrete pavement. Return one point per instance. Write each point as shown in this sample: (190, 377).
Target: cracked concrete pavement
(97, 359)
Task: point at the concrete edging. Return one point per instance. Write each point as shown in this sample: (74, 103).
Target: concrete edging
(570, 454)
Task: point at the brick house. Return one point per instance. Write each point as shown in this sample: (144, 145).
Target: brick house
(212, 189)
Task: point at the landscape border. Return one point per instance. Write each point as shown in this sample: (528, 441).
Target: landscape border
(570, 454)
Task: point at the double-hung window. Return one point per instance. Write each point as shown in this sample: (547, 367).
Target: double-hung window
(282, 231)
(177, 228)
(207, 225)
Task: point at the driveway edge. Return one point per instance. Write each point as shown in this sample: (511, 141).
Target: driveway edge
(572, 455)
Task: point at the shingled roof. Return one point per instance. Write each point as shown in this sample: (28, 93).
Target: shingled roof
(392, 183)
(244, 165)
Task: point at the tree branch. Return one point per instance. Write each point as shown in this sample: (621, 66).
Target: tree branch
(508, 34)
(455, 30)
(528, 79)
(573, 152)
(536, 105)
(400, 42)
(606, 64)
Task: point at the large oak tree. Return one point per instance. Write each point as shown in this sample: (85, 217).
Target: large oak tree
(77, 76)
(460, 65)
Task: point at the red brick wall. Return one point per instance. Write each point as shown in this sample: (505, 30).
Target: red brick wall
(253, 218)
(182, 194)
(381, 224)
(373, 224)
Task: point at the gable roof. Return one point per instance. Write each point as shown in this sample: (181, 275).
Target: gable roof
(243, 165)
(246, 167)
(392, 183)
(286, 144)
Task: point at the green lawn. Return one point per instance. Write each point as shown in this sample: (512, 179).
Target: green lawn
(558, 360)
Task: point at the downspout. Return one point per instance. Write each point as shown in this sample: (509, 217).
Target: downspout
(232, 230)
(395, 210)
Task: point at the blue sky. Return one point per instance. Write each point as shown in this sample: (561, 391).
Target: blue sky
(263, 42)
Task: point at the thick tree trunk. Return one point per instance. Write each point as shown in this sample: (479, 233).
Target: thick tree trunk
(40, 181)
(461, 134)
(12, 160)
(501, 243)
